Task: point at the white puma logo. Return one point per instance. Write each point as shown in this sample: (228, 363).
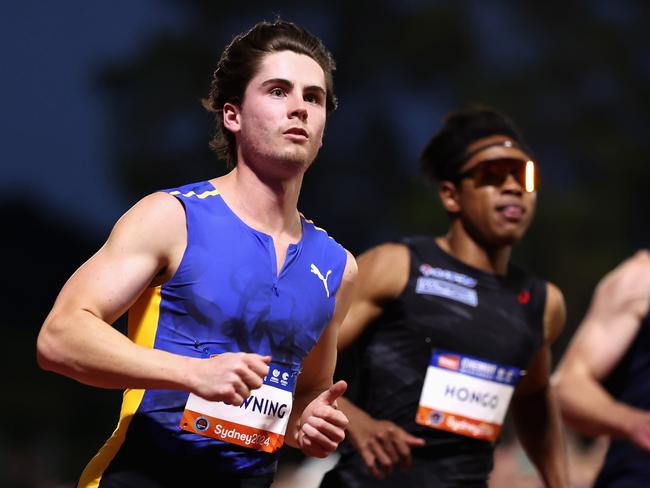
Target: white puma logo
(317, 272)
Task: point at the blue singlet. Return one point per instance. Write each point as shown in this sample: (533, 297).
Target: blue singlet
(226, 296)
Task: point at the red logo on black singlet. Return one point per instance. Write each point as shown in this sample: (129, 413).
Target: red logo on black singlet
(524, 297)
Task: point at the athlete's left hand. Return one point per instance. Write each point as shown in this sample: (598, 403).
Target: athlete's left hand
(322, 424)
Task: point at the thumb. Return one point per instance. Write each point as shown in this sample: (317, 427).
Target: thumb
(330, 395)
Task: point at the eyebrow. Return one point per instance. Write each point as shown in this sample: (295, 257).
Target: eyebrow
(290, 84)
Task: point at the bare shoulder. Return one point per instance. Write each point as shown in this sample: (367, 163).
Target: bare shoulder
(382, 275)
(384, 270)
(351, 269)
(623, 294)
(630, 280)
(554, 313)
(157, 221)
(154, 210)
(142, 247)
(386, 251)
(620, 302)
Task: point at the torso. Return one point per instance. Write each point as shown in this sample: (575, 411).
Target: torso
(226, 295)
(498, 319)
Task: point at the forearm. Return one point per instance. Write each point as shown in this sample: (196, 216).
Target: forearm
(538, 425)
(83, 347)
(590, 409)
(351, 411)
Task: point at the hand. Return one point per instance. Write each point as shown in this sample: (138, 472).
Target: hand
(230, 377)
(638, 428)
(322, 425)
(381, 444)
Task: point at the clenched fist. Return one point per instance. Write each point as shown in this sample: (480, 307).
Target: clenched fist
(229, 377)
(322, 424)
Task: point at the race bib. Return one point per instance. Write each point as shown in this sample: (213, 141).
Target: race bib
(466, 395)
(259, 423)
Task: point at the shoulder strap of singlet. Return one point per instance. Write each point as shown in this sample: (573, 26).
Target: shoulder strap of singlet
(420, 246)
(194, 191)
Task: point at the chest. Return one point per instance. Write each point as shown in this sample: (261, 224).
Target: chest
(463, 314)
(233, 298)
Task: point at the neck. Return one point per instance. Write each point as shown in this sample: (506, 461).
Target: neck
(461, 245)
(268, 205)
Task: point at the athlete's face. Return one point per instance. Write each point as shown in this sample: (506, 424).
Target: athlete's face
(495, 212)
(280, 123)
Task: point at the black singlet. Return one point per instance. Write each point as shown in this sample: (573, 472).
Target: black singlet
(625, 464)
(505, 325)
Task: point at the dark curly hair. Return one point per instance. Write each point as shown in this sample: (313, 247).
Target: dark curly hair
(241, 60)
(445, 153)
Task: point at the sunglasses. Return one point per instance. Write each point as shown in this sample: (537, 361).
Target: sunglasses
(495, 171)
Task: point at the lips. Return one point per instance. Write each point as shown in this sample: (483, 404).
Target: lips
(297, 131)
(512, 213)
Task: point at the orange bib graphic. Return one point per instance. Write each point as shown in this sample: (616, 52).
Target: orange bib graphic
(259, 423)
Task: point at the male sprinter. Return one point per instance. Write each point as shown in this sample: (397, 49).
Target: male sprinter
(603, 380)
(224, 282)
(450, 332)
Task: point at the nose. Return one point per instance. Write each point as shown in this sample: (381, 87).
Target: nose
(512, 185)
(298, 108)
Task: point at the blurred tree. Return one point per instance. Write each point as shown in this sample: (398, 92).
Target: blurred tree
(575, 78)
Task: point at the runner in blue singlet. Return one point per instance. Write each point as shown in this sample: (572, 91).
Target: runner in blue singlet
(234, 298)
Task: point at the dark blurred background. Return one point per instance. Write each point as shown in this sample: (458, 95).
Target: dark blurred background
(100, 105)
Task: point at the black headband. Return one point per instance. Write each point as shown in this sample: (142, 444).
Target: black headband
(458, 162)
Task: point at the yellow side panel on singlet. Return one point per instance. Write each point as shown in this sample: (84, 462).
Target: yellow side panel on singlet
(143, 322)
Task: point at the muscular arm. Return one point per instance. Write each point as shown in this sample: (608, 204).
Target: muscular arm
(315, 425)
(534, 407)
(77, 339)
(618, 307)
(383, 273)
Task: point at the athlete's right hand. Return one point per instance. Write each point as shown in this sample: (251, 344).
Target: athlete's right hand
(230, 377)
(381, 443)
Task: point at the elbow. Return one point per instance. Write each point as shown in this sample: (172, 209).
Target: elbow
(50, 354)
(564, 394)
(559, 386)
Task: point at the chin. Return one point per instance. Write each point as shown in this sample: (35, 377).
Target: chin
(501, 237)
(511, 232)
(296, 158)
(510, 238)
(287, 165)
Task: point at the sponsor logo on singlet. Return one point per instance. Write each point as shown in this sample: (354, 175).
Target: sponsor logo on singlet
(449, 361)
(314, 269)
(448, 284)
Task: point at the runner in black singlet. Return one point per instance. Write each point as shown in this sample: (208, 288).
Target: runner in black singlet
(453, 309)
(603, 381)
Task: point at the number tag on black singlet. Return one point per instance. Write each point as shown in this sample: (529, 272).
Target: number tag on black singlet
(466, 395)
(259, 423)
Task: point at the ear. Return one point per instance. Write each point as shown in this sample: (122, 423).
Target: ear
(449, 196)
(231, 119)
